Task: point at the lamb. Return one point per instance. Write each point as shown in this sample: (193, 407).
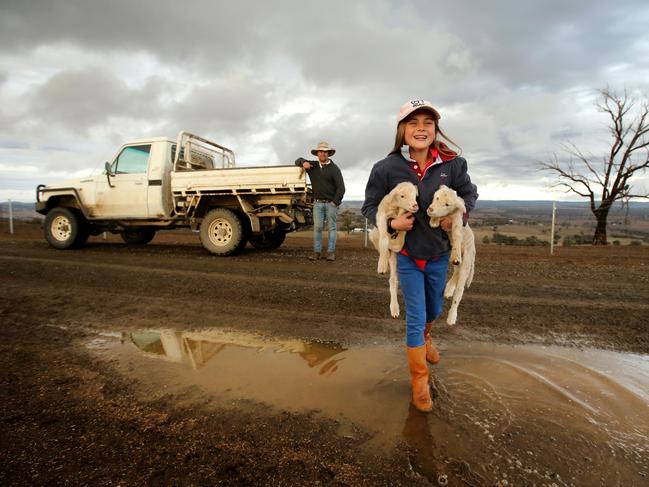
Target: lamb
(446, 202)
(403, 198)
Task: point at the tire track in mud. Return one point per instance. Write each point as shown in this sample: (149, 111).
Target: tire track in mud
(176, 306)
(212, 274)
(378, 289)
(129, 313)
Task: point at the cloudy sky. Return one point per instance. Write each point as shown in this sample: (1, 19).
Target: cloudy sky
(513, 80)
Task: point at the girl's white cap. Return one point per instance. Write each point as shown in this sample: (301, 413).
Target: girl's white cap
(410, 106)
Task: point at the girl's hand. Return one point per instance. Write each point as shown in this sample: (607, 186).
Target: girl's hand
(403, 222)
(446, 223)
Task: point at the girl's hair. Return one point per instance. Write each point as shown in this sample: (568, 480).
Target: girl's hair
(443, 149)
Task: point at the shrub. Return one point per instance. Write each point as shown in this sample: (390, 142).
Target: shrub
(499, 238)
(580, 239)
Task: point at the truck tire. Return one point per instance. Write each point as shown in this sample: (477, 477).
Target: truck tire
(247, 231)
(222, 232)
(270, 240)
(65, 228)
(140, 236)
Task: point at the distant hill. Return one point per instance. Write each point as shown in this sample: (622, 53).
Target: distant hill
(21, 211)
(504, 209)
(635, 207)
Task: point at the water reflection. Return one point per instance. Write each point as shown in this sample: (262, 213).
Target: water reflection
(524, 414)
(196, 348)
(421, 443)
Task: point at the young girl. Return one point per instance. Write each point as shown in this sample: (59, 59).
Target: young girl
(420, 157)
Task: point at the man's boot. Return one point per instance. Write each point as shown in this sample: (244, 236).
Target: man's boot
(315, 256)
(419, 379)
(432, 355)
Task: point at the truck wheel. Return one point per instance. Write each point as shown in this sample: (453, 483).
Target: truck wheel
(247, 231)
(222, 232)
(269, 240)
(65, 228)
(138, 237)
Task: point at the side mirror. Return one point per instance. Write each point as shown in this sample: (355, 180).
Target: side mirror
(108, 174)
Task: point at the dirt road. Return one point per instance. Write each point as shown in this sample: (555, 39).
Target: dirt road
(69, 415)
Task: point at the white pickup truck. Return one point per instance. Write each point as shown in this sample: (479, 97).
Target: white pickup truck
(157, 184)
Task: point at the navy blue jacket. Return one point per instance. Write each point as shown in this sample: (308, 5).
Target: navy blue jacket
(422, 242)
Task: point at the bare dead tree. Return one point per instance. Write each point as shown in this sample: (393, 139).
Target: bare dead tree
(608, 179)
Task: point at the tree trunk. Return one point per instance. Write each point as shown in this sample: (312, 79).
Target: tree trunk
(600, 231)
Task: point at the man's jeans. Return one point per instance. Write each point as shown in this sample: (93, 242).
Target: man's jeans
(423, 294)
(324, 212)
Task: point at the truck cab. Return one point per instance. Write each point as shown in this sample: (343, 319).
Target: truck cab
(133, 188)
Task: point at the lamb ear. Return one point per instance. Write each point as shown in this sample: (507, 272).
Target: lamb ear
(459, 204)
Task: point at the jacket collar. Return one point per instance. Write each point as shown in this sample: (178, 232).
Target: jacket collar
(435, 157)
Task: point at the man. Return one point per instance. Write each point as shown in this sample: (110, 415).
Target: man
(328, 190)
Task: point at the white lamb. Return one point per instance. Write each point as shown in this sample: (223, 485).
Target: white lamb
(401, 199)
(446, 202)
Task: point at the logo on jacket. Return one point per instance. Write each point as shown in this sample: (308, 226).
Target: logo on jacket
(443, 176)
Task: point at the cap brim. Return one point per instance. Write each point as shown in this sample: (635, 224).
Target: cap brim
(330, 151)
(431, 110)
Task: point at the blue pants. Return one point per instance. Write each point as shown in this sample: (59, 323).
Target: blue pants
(423, 293)
(324, 212)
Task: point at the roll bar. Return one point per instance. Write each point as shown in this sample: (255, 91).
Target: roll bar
(193, 147)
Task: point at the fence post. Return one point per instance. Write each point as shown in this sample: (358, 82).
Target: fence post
(365, 232)
(554, 210)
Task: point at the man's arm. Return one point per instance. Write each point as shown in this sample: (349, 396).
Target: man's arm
(340, 187)
(302, 162)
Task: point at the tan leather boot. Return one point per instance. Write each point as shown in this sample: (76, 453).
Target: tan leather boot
(432, 355)
(419, 379)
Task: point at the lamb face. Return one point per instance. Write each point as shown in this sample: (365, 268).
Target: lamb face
(405, 197)
(445, 202)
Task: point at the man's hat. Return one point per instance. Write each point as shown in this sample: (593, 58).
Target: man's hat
(323, 146)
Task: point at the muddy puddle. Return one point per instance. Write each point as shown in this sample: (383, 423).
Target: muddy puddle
(504, 415)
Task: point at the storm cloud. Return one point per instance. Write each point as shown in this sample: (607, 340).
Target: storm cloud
(513, 80)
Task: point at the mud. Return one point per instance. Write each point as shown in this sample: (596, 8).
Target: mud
(543, 381)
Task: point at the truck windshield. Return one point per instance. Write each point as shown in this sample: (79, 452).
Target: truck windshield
(133, 159)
